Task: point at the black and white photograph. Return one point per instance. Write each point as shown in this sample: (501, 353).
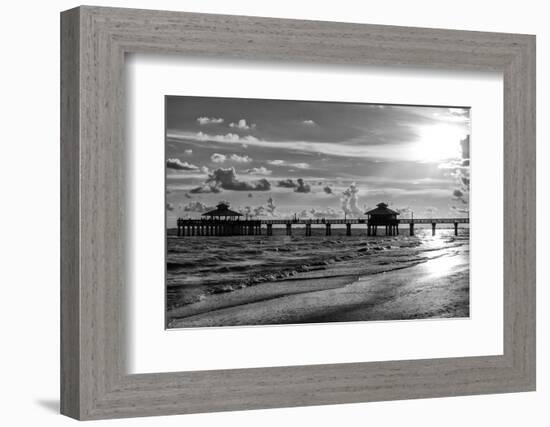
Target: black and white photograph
(293, 212)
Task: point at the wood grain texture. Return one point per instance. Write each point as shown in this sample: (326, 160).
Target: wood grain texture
(70, 263)
(94, 271)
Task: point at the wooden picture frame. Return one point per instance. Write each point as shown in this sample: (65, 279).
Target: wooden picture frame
(94, 382)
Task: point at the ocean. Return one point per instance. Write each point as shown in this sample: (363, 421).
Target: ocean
(209, 278)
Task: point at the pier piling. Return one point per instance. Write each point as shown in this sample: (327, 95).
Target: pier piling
(433, 228)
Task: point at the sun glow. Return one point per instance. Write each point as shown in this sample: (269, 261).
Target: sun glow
(439, 143)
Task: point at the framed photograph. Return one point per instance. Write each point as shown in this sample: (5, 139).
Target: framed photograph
(263, 213)
(267, 221)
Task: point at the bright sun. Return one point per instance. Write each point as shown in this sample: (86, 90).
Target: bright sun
(439, 143)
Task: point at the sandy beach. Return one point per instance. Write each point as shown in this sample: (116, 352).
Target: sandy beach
(410, 278)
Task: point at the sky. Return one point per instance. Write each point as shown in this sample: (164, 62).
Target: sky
(280, 158)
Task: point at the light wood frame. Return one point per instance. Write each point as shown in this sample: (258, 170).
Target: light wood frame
(94, 382)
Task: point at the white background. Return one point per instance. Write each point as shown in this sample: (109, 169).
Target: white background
(152, 349)
(29, 175)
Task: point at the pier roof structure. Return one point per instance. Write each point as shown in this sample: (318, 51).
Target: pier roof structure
(382, 209)
(222, 211)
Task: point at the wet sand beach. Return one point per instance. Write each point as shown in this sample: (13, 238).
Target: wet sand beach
(306, 280)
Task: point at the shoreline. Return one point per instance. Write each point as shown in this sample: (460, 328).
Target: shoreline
(344, 291)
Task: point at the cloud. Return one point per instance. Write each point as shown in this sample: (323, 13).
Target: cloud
(209, 120)
(460, 196)
(179, 165)
(228, 137)
(286, 183)
(430, 210)
(460, 210)
(205, 188)
(270, 207)
(302, 187)
(460, 170)
(349, 200)
(262, 210)
(240, 159)
(218, 158)
(405, 210)
(227, 179)
(289, 164)
(327, 190)
(241, 124)
(325, 213)
(372, 151)
(196, 207)
(309, 123)
(188, 152)
(299, 185)
(465, 147)
(258, 171)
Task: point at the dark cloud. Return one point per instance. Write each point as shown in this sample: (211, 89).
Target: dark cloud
(461, 172)
(299, 185)
(327, 190)
(179, 165)
(465, 146)
(170, 207)
(270, 207)
(286, 183)
(460, 196)
(302, 187)
(227, 180)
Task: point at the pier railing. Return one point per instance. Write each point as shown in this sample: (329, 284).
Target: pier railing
(253, 227)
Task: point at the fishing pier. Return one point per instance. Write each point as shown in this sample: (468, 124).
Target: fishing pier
(225, 222)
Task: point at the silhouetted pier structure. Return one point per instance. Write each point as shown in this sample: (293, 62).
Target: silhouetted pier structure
(224, 222)
(384, 217)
